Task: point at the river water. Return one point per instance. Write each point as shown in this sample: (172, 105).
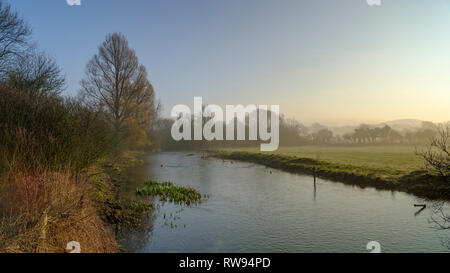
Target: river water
(252, 208)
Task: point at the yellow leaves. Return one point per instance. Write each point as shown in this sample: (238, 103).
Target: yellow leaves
(135, 136)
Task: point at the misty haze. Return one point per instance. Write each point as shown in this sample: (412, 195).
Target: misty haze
(227, 127)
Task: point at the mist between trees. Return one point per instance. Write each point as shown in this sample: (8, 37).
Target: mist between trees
(293, 132)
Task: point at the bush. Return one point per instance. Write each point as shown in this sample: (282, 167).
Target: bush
(50, 132)
(45, 142)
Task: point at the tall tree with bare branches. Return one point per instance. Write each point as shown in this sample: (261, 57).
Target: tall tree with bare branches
(116, 82)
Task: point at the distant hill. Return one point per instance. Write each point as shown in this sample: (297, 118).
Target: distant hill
(403, 124)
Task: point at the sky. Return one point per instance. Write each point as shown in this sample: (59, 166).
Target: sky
(335, 62)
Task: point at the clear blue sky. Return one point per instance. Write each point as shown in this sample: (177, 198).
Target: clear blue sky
(328, 61)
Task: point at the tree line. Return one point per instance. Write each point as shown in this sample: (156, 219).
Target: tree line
(293, 132)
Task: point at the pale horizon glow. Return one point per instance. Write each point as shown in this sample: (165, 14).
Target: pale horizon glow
(333, 62)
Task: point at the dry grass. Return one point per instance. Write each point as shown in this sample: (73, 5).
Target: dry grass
(46, 209)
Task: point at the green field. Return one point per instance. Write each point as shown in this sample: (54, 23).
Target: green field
(395, 159)
(390, 160)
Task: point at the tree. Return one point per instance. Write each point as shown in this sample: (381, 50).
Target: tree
(385, 132)
(323, 136)
(292, 132)
(362, 133)
(437, 155)
(437, 158)
(14, 34)
(374, 133)
(116, 82)
(36, 74)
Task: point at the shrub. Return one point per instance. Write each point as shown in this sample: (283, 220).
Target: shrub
(51, 132)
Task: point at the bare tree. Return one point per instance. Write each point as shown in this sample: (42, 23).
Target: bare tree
(14, 34)
(437, 159)
(36, 74)
(437, 155)
(117, 82)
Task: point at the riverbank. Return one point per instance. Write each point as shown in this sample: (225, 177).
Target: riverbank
(107, 178)
(417, 182)
(51, 208)
(42, 211)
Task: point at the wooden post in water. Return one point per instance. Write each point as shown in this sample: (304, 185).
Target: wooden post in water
(315, 189)
(314, 174)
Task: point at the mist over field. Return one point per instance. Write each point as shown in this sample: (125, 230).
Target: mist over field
(237, 126)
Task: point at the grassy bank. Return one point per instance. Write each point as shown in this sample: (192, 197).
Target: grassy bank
(381, 167)
(60, 165)
(393, 160)
(107, 179)
(47, 209)
(46, 144)
(51, 208)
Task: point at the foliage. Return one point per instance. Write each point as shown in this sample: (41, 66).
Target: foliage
(169, 191)
(51, 132)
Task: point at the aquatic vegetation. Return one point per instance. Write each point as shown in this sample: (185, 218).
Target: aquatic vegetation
(167, 191)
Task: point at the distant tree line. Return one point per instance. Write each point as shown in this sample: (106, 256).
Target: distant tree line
(293, 132)
(367, 134)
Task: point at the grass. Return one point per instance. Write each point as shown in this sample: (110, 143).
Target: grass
(389, 160)
(391, 167)
(45, 209)
(167, 191)
(107, 179)
(49, 209)
(46, 144)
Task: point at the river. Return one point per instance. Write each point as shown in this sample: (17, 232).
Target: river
(252, 208)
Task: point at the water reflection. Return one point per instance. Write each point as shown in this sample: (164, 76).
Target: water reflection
(134, 238)
(440, 220)
(419, 211)
(256, 209)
